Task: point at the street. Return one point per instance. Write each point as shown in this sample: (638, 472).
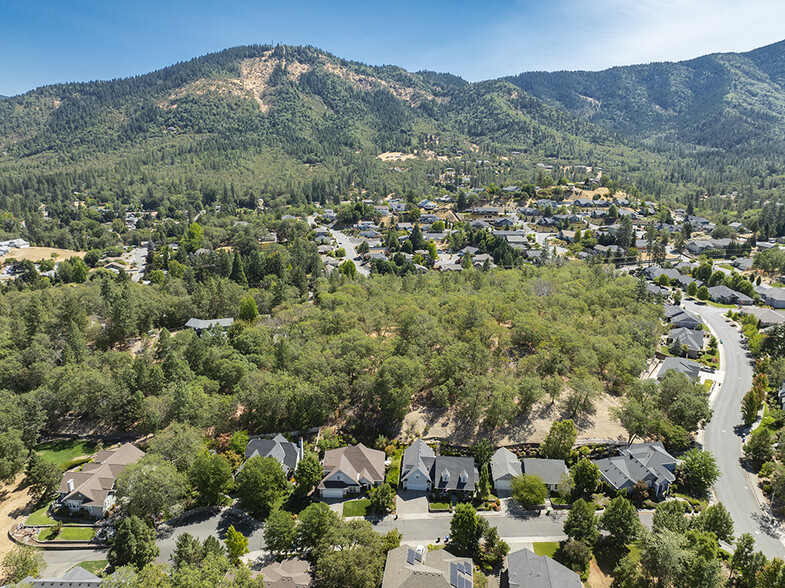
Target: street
(723, 435)
(351, 253)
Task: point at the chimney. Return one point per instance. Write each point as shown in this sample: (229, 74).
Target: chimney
(301, 451)
(70, 484)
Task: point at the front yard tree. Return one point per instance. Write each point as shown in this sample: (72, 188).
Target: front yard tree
(716, 519)
(355, 561)
(746, 562)
(22, 561)
(703, 293)
(315, 522)
(150, 486)
(179, 443)
(698, 471)
(582, 523)
(558, 444)
(211, 475)
(308, 474)
(529, 490)
(188, 551)
(577, 555)
(466, 529)
(692, 289)
(621, 521)
(259, 485)
(280, 532)
(382, 500)
(134, 544)
(758, 448)
(586, 475)
(42, 476)
(236, 545)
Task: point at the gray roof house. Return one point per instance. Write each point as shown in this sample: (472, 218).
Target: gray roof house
(76, 577)
(351, 469)
(526, 569)
(410, 568)
(505, 466)
(774, 297)
(647, 462)
(766, 316)
(288, 454)
(200, 325)
(689, 368)
(550, 471)
(725, 295)
(681, 317)
(422, 470)
(692, 339)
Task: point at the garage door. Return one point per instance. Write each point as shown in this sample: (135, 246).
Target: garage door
(332, 493)
(422, 487)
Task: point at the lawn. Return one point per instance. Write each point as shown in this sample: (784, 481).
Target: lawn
(356, 508)
(767, 419)
(394, 469)
(440, 506)
(39, 517)
(69, 534)
(548, 548)
(720, 305)
(94, 567)
(61, 452)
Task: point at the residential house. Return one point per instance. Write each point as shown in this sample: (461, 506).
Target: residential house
(420, 568)
(692, 340)
(742, 263)
(774, 297)
(550, 471)
(766, 316)
(289, 573)
(200, 326)
(526, 569)
(93, 488)
(681, 317)
(505, 466)
(76, 577)
(725, 295)
(689, 368)
(641, 462)
(511, 189)
(422, 470)
(350, 470)
(285, 452)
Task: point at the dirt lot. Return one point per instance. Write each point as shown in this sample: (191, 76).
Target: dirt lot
(447, 425)
(38, 253)
(395, 156)
(14, 501)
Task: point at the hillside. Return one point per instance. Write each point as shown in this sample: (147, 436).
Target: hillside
(724, 100)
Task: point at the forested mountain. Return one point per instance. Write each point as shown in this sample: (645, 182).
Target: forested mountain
(724, 100)
(296, 124)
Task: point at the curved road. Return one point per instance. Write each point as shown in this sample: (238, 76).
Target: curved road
(723, 435)
(344, 241)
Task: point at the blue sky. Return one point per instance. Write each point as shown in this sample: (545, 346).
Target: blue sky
(49, 41)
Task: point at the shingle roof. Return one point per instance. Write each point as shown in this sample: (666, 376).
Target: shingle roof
(648, 462)
(201, 324)
(549, 471)
(290, 573)
(689, 368)
(432, 569)
(286, 452)
(504, 463)
(356, 461)
(528, 570)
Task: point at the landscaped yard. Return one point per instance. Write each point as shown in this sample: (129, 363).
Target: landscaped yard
(61, 452)
(356, 508)
(440, 506)
(39, 517)
(548, 548)
(69, 534)
(767, 420)
(94, 567)
(394, 469)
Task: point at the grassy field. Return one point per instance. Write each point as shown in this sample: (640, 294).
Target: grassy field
(39, 253)
(69, 534)
(356, 508)
(61, 452)
(39, 517)
(548, 548)
(94, 567)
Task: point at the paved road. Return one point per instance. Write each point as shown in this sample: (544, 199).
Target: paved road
(351, 253)
(723, 435)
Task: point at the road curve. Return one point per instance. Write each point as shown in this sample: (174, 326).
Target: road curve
(723, 435)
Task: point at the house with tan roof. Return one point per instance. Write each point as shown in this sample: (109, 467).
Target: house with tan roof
(92, 488)
(410, 568)
(289, 573)
(351, 469)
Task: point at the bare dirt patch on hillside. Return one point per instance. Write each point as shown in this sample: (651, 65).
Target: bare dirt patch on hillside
(395, 156)
(448, 425)
(39, 253)
(15, 501)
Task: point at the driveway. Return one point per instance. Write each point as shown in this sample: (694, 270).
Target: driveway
(412, 503)
(723, 435)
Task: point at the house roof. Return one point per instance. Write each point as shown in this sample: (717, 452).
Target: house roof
(407, 568)
(358, 462)
(692, 339)
(648, 462)
(526, 569)
(290, 573)
(767, 316)
(286, 452)
(420, 457)
(76, 577)
(549, 471)
(505, 464)
(95, 481)
(689, 368)
(200, 324)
